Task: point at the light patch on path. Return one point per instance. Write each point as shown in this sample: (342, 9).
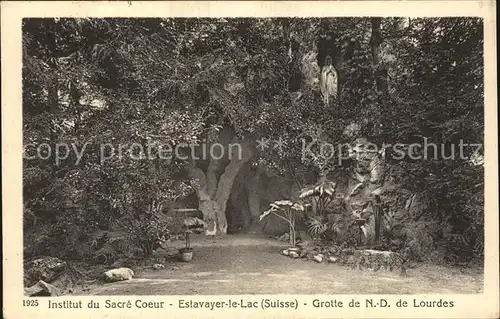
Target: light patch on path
(241, 265)
(149, 281)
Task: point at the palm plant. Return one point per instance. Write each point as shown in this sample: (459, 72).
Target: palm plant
(322, 229)
(321, 195)
(286, 210)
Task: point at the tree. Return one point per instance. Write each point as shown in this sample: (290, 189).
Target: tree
(231, 81)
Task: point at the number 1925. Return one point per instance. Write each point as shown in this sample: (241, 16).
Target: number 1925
(30, 303)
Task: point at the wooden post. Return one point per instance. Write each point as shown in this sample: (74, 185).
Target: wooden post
(360, 235)
(377, 214)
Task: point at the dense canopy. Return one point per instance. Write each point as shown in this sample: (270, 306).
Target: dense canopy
(95, 82)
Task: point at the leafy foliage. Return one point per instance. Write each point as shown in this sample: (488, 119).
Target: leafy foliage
(321, 195)
(151, 81)
(287, 211)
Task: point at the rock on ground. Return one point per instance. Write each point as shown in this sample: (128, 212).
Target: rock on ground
(118, 274)
(333, 259)
(318, 258)
(158, 266)
(51, 270)
(44, 268)
(377, 259)
(41, 288)
(293, 254)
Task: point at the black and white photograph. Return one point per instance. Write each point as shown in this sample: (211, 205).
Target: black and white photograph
(273, 161)
(200, 156)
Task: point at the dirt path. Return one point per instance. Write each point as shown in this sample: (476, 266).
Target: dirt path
(252, 265)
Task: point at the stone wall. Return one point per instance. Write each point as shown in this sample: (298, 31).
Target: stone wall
(402, 220)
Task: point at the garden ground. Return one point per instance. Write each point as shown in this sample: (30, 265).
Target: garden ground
(245, 264)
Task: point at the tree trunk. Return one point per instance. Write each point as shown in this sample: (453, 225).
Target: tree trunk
(226, 183)
(213, 195)
(292, 234)
(212, 177)
(205, 202)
